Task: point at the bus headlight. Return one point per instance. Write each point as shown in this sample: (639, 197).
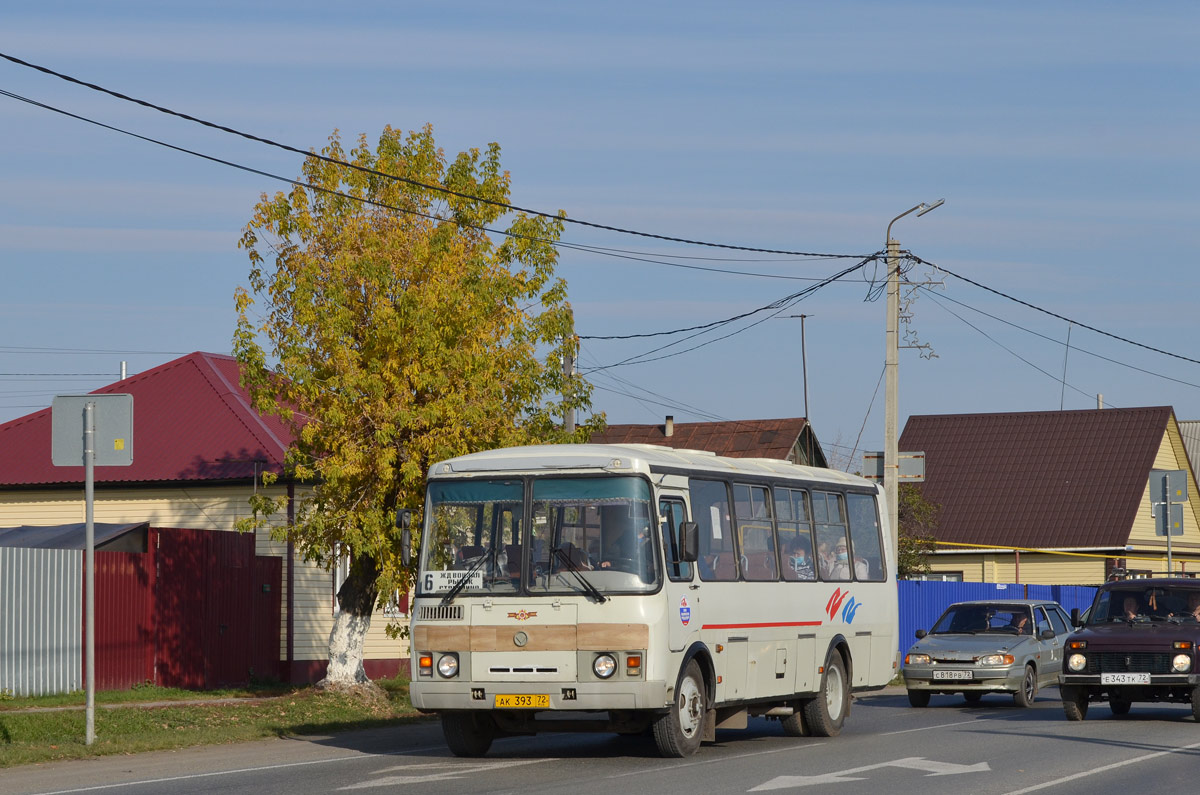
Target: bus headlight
(604, 666)
(1181, 663)
(1077, 662)
(448, 666)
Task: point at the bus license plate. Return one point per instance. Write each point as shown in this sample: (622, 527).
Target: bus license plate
(953, 675)
(539, 701)
(1124, 679)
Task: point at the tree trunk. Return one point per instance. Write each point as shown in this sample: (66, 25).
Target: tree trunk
(356, 600)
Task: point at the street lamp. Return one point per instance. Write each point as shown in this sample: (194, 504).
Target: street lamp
(891, 444)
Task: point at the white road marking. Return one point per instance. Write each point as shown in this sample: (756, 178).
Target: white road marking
(1103, 769)
(722, 759)
(939, 726)
(279, 766)
(454, 769)
(930, 766)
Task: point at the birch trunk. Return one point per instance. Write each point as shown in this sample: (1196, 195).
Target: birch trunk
(356, 600)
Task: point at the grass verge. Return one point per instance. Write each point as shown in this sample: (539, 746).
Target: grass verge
(279, 711)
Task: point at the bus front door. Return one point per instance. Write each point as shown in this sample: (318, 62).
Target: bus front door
(683, 601)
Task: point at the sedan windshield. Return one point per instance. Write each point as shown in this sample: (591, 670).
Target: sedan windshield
(976, 618)
(589, 536)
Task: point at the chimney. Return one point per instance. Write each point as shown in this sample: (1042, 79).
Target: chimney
(1099, 401)
(669, 428)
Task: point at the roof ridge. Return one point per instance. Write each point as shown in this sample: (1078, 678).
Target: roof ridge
(242, 409)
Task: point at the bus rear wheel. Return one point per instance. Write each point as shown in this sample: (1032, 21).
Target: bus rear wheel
(468, 733)
(678, 732)
(826, 713)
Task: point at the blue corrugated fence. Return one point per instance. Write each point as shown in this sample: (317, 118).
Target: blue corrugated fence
(923, 602)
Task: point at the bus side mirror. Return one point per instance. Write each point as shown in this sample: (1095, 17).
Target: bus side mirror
(1076, 620)
(689, 541)
(404, 522)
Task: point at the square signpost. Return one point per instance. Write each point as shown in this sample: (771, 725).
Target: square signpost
(1168, 492)
(91, 430)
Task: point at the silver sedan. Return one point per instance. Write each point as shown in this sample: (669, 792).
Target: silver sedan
(975, 648)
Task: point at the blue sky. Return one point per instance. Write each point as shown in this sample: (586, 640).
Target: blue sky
(1063, 136)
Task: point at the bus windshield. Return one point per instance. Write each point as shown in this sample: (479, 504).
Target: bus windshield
(589, 536)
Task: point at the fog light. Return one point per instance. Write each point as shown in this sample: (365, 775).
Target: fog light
(1181, 663)
(425, 665)
(448, 665)
(604, 666)
(1077, 662)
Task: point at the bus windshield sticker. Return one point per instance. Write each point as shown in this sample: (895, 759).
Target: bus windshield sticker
(445, 580)
(715, 513)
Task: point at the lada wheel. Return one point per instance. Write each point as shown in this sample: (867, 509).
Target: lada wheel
(678, 732)
(1196, 703)
(918, 698)
(972, 696)
(468, 733)
(1028, 692)
(1074, 701)
(826, 713)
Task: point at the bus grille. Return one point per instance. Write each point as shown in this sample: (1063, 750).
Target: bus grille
(1115, 662)
(440, 613)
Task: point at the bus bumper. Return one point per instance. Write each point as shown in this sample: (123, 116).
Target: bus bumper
(433, 696)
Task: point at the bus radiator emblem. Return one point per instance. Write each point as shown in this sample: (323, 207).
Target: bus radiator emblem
(523, 614)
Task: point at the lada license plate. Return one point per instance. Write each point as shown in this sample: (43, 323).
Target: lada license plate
(953, 675)
(1124, 679)
(509, 701)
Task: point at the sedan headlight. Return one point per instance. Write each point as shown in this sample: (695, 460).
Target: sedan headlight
(917, 659)
(1077, 662)
(1181, 663)
(448, 665)
(604, 666)
(997, 659)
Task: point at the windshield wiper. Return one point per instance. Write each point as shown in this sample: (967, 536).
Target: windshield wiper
(458, 586)
(588, 588)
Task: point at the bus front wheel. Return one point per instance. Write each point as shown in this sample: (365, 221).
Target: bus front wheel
(678, 732)
(468, 733)
(826, 713)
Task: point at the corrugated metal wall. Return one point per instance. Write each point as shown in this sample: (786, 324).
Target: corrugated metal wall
(125, 630)
(41, 621)
(923, 602)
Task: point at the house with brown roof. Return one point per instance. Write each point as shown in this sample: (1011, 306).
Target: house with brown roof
(1053, 497)
(787, 439)
(199, 452)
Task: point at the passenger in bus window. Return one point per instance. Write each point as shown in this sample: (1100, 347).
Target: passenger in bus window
(798, 560)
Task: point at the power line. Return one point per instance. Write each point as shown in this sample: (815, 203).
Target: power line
(1054, 314)
(408, 180)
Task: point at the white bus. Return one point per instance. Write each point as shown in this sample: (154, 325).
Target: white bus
(627, 588)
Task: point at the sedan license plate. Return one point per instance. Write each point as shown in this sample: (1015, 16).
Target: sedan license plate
(953, 675)
(1124, 679)
(539, 701)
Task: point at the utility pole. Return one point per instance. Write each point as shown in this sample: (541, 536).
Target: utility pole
(891, 430)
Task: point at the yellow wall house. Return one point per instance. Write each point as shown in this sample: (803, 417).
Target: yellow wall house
(1054, 497)
(199, 451)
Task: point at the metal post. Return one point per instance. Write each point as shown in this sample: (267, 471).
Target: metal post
(89, 465)
(1167, 514)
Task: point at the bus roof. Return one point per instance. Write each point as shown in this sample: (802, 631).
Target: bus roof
(634, 458)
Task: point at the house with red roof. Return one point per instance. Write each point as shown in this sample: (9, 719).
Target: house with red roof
(1053, 497)
(199, 452)
(790, 440)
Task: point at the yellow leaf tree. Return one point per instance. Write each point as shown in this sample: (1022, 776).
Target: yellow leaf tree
(391, 329)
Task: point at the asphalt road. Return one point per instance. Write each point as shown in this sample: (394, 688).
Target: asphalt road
(886, 747)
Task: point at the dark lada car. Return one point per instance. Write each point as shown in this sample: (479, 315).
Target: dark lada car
(1137, 643)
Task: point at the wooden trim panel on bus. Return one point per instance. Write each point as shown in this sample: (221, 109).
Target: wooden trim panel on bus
(586, 637)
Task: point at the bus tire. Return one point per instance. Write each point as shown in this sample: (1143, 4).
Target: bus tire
(826, 713)
(468, 733)
(678, 732)
(794, 725)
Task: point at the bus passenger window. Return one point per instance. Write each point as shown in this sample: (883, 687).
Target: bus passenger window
(710, 508)
(864, 537)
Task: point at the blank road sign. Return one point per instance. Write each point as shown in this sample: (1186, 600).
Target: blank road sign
(113, 425)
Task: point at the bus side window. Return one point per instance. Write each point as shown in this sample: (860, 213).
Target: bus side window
(710, 510)
(673, 515)
(795, 535)
(864, 537)
(756, 533)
